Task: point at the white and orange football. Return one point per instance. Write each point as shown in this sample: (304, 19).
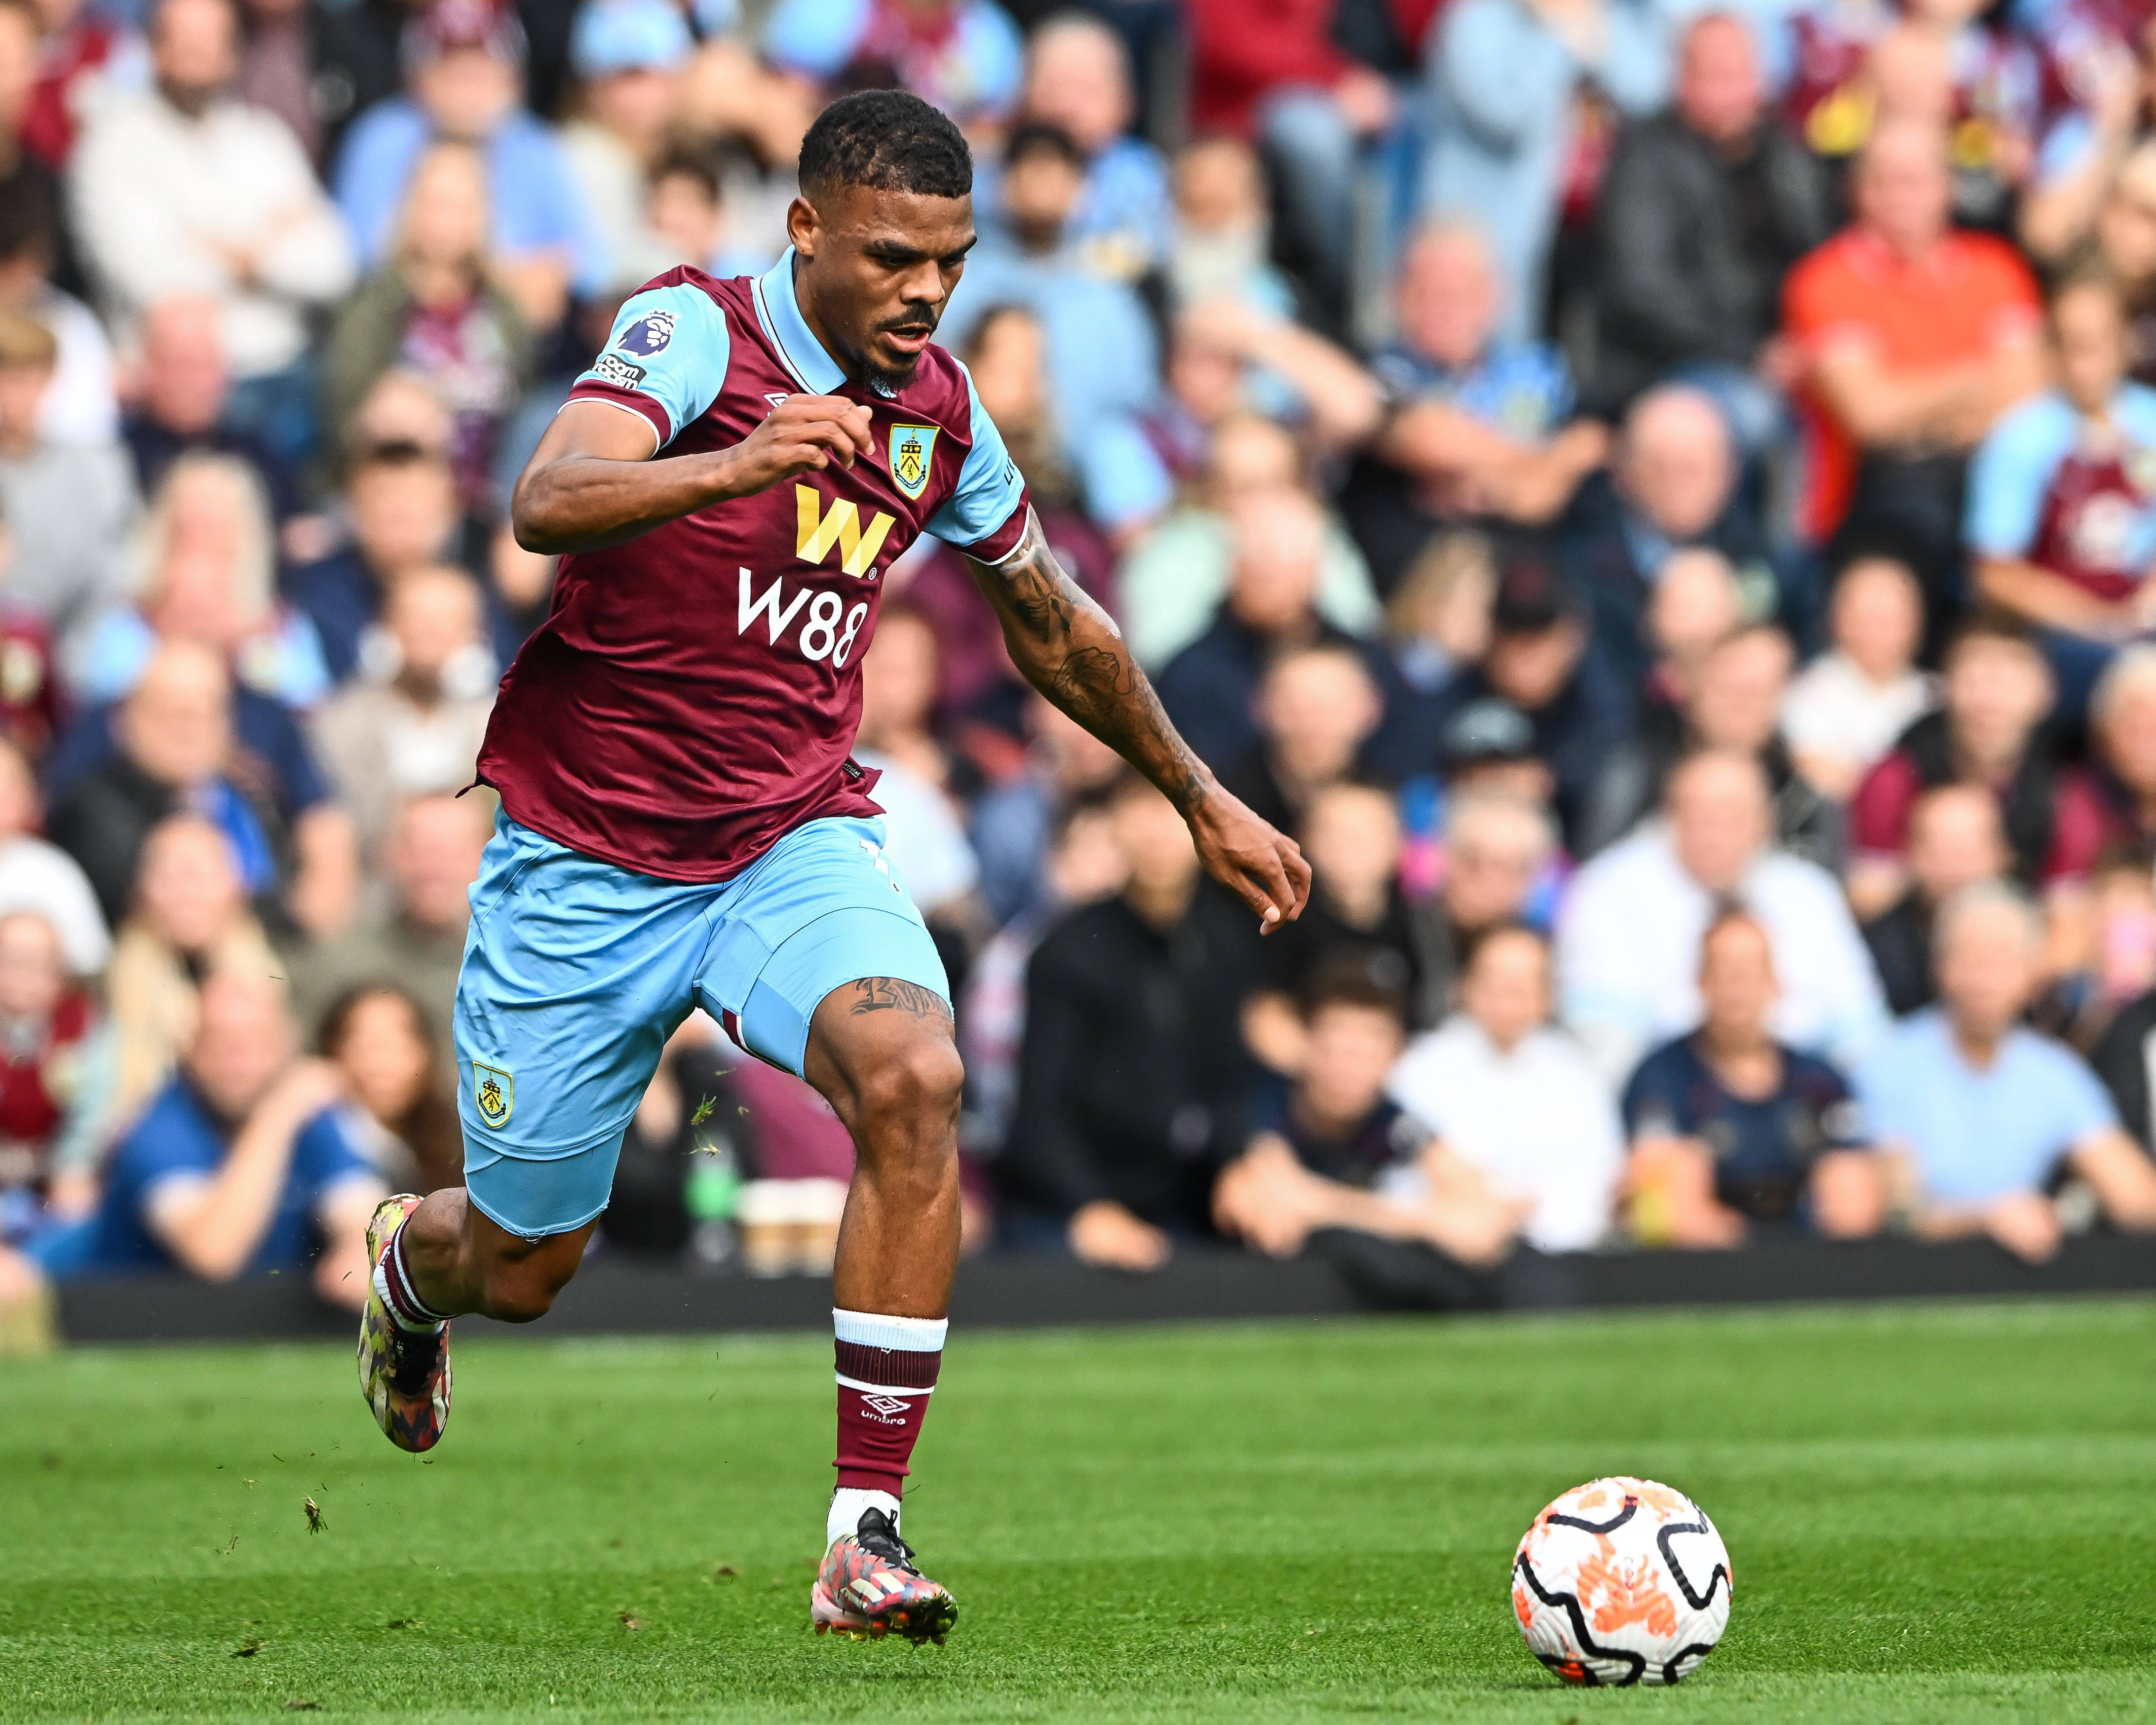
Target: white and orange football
(1622, 1581)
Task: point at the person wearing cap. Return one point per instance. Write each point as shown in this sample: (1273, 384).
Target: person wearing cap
(1541, 660)
(464, 66)
(627, 56)
(182, 189)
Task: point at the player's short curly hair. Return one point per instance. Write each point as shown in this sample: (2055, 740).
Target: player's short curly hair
(889, 140)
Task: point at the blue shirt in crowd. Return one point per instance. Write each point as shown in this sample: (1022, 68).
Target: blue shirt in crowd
(1521, 389)
(179, 1139)
(2016, 470)
(1763, 1147)
(972, 69)
(1979, 1134)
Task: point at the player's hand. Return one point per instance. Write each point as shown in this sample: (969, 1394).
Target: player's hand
(803, 433)
(1260, 864)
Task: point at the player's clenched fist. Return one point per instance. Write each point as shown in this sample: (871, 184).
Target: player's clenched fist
(803, 433)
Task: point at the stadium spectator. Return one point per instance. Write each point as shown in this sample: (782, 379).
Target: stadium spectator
(1956, 840)
(965, 56)
(184, 189)
(1851, 705)
(189, 916)
(1914, 338)
(1729, 1127)
(86, 55)
(1672, 487)
(1987, 1113)
(1628, 933)
(1221, 244)
(412, 720)
(1706, 207)
(1499, 847)
(41, 878)
(1989, 731)
(1013, 820)
(207, 572)
(1131, 1076)
(400, 1101)
(1503, 82)
(1333, 1154)
(1078, 77)
(686, 220)
(2060, 526)
(417, 939)
(1515, 1099)
(240, 1168)
(1317, 708)
(2123, 740)
(63, 564)
(1437, 625)
(400, 503)
(629, 56)
(463, 62)
(277, 68)
(56, 1080)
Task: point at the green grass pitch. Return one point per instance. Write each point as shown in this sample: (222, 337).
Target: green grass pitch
(1939, 1513)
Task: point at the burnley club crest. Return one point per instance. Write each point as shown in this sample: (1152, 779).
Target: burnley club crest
(495, 1093)
(912, 452)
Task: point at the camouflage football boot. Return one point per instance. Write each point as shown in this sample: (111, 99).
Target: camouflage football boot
(404, 1375)
(869, 1588)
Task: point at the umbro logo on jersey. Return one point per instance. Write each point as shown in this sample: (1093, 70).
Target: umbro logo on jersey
(612, 368)
(648, 334)
(776, 398)
(888, 1405)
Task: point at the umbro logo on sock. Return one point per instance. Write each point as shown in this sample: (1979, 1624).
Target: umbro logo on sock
(888, 1406)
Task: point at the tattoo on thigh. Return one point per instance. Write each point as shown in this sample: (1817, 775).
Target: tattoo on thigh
(886, 994)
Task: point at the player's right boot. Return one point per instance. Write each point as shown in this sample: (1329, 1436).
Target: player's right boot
(869, 1588)
(403, 1374)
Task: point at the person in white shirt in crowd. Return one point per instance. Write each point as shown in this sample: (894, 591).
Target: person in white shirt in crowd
(38, 876)
(1517, 1100)
(1629, 930)
(1848, 706)
(1985, 1113)
(629, 56)
(182, 189)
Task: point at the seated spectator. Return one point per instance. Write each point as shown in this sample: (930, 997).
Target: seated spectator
(240, 1168)
(1332, 1151)
(189, 916)
(56, 1088)
(1729, 1127)
(1012, 821)
(412, 721)
(1437, 623)
(1289, 372)
(436, 305)
(207, 572)
(898, 677)
(1987, 1113)
(1705, 208)
(1989, 731)
(1696, 606)
(629, 56)
(2087, 158)
(1484, 427)
(965, 56)
(1672, 487)
(401, 505)
(277, 71)
(416, 939)
(1271, 605)
(39, 877)
(183, 189)
(2060, 526)
(1628, 935)
(1317, 708)
(1956, 840)
(1914, 338)
(1220, 242)
(1172, 582)
(2122, 739)
(1500, 854)
(63, 565)
(1847, 707)
(1515, 1099)
(401, 1107)
(1078, 77)
(464, 67)
(687, 218)
(1541, 660)
(1733, 700)
(1132, 1077)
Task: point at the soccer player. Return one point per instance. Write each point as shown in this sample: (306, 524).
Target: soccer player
(682, 825)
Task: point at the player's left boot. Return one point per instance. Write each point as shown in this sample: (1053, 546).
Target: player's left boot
(404, 1375)
(869, 1588)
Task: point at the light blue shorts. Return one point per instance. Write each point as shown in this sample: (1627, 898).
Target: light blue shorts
(576, 973)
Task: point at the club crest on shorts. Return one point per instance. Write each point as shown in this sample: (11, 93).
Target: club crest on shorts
(912, 454)
(494, 1092)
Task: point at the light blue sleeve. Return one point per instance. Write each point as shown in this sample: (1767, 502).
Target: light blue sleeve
(2084, 1106)
(2006, 483)
(989, 486)
(669, 344)
(1121, 477)
(1885, 1096)
(815, 38)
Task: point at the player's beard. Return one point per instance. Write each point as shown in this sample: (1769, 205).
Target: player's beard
(889, 380)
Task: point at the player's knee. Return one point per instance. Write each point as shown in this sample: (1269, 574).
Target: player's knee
(917, 1081)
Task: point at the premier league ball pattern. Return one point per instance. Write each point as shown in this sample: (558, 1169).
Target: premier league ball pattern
(1622, 1581)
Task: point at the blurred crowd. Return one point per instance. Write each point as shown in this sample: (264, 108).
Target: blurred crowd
(1658, 498)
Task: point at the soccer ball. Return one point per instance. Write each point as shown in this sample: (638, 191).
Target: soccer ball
(1622, 1581)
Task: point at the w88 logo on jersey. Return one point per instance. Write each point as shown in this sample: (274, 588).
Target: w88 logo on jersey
(827, 626)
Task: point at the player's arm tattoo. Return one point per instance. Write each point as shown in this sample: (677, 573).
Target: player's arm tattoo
(1070, 649)
(890, 994)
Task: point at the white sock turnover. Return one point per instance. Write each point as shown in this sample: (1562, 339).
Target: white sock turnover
(848, 1504)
